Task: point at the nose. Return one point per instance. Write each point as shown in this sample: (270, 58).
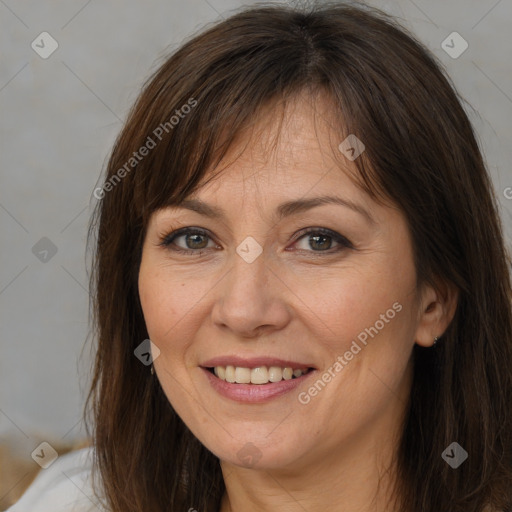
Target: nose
(251, 299)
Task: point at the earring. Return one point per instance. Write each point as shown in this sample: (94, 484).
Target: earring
(152, 370)
(436, 339)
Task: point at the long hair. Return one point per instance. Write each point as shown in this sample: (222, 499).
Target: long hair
(421, 155)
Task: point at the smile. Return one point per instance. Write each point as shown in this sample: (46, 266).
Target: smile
(263, 390)
(259, 375)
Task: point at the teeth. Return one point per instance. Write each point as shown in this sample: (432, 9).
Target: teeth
(275, 374)
(230, 374)
(259, 375)
(287, 373)
(220, 372)
(242, 375)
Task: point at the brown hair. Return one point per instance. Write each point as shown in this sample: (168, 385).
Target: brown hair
(421, 154)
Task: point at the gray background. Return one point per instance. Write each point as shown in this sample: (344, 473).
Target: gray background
(58, 119)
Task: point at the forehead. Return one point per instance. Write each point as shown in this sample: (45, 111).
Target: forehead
(288, 149)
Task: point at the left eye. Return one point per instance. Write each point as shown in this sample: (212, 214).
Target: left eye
(196, 240)
(320, 240)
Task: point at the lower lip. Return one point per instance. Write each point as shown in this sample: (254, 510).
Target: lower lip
(254, 393)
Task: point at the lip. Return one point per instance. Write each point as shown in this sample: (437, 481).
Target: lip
(254, 362)
(254, 393)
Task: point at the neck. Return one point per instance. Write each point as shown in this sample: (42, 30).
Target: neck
(357, 477)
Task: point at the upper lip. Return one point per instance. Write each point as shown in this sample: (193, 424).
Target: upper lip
(253, 362)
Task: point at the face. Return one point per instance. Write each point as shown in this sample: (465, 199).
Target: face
(261, 287)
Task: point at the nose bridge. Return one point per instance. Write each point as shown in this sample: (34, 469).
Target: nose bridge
(246, 285)
(246, 299)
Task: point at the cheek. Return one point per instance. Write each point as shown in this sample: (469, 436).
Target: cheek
(366, 315)
(367, 348)
(154, 302)
(351, 301)
(164, 297)
(164, 305)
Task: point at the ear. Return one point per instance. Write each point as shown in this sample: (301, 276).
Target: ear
(436, 311)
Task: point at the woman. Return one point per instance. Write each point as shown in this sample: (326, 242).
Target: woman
(297, 215)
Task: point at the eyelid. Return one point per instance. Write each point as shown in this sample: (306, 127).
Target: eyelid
(339, 238)
(342, 241)
(167, 238)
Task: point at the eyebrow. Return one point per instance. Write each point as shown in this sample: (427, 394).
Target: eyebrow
(285, 209)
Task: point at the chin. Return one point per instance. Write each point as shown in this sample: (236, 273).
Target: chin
(261, 454)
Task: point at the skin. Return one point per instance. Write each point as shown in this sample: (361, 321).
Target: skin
(293, 302)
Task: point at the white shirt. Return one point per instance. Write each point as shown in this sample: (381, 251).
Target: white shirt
(65, 486)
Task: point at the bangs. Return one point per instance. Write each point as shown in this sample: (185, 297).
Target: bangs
(186, 121)
(180, 163)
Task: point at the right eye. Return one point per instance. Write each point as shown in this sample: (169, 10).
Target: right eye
(195, 240)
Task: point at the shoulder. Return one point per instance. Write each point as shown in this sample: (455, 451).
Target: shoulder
(65, 486)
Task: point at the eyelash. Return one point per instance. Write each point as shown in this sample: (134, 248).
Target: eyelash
(168, 240)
